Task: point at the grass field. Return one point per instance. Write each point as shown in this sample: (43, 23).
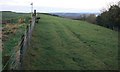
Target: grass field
(12, 39)
(65, 44)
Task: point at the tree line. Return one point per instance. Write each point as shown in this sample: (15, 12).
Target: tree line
(110, 18)
(91, 18)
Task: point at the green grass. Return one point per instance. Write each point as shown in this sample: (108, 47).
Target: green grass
(0, 25)
(13, 40)
(7, 15)
(64, 44)
(9, 46)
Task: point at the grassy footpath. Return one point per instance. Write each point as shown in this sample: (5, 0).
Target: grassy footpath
(64, 44)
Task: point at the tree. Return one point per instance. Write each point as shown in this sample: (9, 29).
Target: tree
(110, 18)
(91, 18)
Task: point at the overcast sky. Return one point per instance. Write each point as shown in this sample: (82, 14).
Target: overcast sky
(55, 5)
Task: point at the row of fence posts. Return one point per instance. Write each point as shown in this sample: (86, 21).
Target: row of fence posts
(15, 61)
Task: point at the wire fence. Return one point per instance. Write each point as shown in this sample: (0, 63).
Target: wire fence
(14, 61)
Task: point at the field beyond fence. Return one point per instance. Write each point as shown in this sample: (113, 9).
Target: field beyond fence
(13, 61)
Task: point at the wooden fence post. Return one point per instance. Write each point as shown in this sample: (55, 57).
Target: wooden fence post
(15, 61)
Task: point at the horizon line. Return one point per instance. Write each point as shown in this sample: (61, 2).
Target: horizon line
(46, 12)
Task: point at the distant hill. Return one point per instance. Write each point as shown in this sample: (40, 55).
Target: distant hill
(73, 15)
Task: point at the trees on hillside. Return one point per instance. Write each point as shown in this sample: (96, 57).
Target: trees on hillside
(110, 18)
(91, 18)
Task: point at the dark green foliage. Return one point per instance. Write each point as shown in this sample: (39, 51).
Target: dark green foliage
(110, 18)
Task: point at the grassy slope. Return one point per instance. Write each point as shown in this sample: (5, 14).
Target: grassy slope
(59, 43)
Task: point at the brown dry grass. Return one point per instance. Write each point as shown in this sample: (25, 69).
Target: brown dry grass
(9, 29)
(21, 20)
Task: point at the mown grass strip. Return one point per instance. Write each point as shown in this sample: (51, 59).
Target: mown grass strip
(64, 44)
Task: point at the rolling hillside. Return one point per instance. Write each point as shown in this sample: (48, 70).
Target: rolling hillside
(65, 44)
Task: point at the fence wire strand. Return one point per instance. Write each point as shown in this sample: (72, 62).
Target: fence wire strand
(20, 46)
